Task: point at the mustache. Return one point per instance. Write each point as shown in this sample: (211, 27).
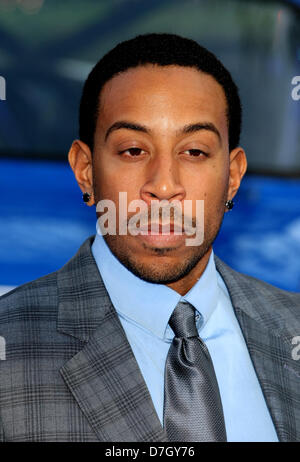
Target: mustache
(158, 220)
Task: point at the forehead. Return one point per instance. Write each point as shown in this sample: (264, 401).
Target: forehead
(164, 94)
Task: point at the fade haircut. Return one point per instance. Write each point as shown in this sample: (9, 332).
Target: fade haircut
(163, 50)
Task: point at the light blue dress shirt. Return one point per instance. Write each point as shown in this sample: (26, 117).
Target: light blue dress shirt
(144, 310)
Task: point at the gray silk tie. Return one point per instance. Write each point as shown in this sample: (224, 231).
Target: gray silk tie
(192, 403)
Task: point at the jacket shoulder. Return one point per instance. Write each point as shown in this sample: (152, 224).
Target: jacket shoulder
(35, 295)
(260, 298)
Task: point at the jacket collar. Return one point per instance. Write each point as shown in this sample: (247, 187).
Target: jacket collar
(83, 300)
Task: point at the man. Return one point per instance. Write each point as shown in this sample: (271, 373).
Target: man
(145, 337)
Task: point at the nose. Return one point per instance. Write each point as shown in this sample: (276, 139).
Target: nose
(162, 181)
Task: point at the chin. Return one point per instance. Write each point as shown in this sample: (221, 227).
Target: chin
(157, 265)
(163, 269)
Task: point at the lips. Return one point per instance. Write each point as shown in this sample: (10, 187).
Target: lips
(157, 229)
(160, 236)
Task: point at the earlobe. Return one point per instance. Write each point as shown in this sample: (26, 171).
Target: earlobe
(80, 160)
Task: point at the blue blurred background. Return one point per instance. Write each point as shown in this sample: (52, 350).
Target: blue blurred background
(47, 48)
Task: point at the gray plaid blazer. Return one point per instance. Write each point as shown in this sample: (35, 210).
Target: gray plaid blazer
(70, 374)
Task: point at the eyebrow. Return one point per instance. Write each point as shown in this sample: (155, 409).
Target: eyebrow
(190, 128)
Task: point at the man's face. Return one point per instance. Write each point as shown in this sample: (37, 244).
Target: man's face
(163, 160)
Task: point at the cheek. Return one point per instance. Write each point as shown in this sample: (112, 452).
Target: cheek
(214, 190)
(109, 184)
(219, 178)
(209, 183)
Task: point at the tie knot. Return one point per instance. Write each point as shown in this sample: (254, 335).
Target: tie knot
(183, 321)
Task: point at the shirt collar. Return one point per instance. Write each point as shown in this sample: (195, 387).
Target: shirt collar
(150, 305)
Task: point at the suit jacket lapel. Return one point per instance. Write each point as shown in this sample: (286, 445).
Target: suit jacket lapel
(268, 336)
(104, 376)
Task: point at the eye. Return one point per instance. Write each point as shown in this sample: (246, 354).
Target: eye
(133, 152)
(195, 152)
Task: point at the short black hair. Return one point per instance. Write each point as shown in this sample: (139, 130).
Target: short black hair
(161, 49)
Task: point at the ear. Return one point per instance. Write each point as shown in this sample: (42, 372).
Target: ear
(237, 169)
(80, 160)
